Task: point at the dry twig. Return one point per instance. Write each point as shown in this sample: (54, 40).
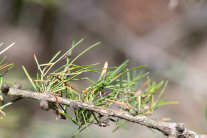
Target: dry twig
(167, 128)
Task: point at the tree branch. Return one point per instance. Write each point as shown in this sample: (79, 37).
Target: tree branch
(167, 128)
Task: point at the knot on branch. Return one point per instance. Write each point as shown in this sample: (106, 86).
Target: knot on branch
(104, 121)
(44, 104)
(183, 132)
(5, 88)
(180, 127)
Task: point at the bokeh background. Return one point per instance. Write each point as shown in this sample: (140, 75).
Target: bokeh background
(167, 35)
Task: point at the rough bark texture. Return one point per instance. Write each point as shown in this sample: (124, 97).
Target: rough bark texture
(167, 128)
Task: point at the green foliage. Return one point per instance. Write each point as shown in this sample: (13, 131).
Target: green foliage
(116, 85)
(4, 68)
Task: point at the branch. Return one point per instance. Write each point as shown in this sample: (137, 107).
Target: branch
(167, 128)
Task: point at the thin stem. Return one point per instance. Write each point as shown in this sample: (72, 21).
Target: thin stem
(9, 103)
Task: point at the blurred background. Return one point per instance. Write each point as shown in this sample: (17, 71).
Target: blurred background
(167, 35)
